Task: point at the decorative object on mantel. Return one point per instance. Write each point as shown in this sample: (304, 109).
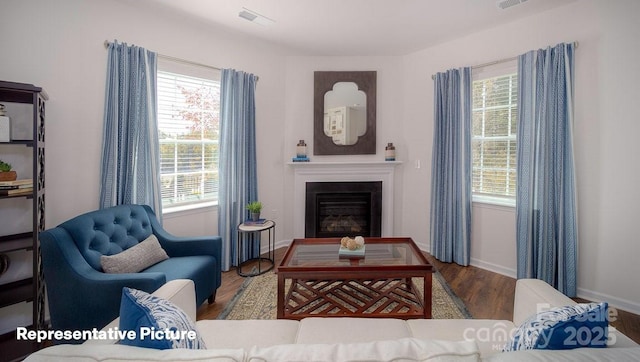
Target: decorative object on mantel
(390, 152)
(254, 208)
(301, 149)
(352, 247)
(301, 152)
(5, 125)
(5, 172)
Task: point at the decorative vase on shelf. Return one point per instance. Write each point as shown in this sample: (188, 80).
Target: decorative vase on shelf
(301, 149)
(390, 152)
(8, 176)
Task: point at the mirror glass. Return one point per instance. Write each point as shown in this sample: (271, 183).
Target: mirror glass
(345, 113)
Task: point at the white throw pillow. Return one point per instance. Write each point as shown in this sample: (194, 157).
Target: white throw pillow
(136, 258)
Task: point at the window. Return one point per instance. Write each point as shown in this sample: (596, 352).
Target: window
(493, 138)
(188, 129)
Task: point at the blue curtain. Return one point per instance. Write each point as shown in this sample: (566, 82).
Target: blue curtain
(451, 167)
(130, 161)
(238, 183)
(547, 232)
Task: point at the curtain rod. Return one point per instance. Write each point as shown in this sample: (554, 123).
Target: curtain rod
(575, 45)
(106, 45)
(180, 60)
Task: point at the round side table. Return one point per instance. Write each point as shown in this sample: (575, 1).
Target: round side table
(247, 235)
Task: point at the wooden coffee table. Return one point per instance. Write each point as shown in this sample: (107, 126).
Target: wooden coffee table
(314, 281)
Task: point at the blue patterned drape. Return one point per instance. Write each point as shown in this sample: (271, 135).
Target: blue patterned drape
(238, 183)
(451, 167)
(547, 232)
(130, 162)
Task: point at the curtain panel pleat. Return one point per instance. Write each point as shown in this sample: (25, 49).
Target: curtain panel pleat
(238, 184)
(546, 209)
(451, 167)
(130, 162)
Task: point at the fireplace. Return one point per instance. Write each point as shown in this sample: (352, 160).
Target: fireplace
(337, 209)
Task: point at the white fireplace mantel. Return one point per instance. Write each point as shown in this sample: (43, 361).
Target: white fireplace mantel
(343, 172)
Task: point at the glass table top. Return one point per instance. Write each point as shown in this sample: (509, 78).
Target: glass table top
(377, 252)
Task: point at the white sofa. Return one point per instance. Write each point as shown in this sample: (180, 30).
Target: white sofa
(351, 339)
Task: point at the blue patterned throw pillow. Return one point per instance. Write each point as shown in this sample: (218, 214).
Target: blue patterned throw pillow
(157, 323)
(580, 325)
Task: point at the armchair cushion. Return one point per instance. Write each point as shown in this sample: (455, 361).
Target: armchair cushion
(144, 313)
(136, 258)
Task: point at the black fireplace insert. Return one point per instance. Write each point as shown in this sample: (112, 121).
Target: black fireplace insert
(337, 209)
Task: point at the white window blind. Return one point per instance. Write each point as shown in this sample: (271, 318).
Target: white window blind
(188, 128)
(495, 119)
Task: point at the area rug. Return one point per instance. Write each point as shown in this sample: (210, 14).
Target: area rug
(256, 299)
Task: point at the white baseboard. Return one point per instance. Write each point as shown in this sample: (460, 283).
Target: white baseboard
(277, 244)
(511, 273)
(614, 302)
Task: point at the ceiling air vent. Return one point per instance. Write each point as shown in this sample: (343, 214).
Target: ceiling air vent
(255, 17)
(503, 4)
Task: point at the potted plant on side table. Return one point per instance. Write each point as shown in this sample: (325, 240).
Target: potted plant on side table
(254, 208)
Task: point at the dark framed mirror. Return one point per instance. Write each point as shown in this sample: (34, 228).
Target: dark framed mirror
(344, 111)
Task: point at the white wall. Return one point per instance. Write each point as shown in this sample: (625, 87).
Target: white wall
(299, 116)
(58, 45)
(606, 129)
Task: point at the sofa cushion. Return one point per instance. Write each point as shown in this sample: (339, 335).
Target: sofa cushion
(338, 330)
(490, 335)
(141, 312)
(247, 333)
(136, 258)
(117, 352)
(534, 294)
(199, 268)
(403, 349)
(580, 325)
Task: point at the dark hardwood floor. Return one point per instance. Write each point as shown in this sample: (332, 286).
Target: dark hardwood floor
(487, 295)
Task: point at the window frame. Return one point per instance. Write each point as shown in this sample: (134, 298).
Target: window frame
(211, 74)
(487, 72)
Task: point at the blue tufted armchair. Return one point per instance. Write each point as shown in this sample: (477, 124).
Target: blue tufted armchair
(81, 296)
